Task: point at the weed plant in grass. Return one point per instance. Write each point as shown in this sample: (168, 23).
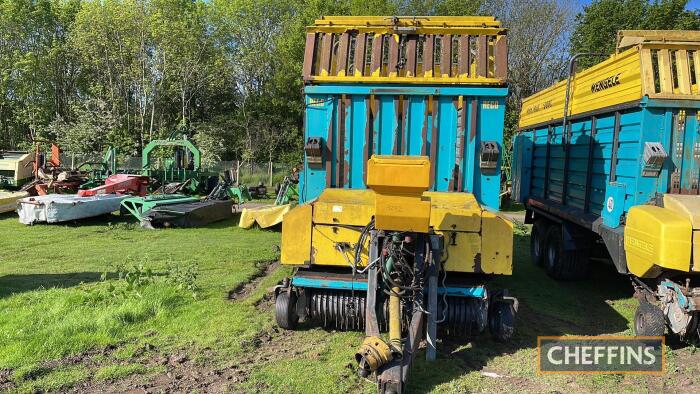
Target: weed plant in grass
(69, 290)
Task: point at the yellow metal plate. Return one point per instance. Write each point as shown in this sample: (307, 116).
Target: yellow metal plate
(296, 236)
(463, 251)
(325, 239)
(454, 211)
(343, 206)
(398, 174)
(686, 205)
(402, 213)
(615, 81)
(656, 239)
(496, 244)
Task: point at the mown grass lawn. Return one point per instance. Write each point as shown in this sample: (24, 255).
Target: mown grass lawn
(101, 306)
(61, 294)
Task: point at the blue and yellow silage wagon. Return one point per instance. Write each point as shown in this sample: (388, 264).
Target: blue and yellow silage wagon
(397, 226)
(611, 157)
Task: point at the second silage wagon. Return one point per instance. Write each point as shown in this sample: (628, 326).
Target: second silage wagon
(611, 158)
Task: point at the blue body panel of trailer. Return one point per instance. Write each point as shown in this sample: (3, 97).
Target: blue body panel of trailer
(597, 172)
(446, 123)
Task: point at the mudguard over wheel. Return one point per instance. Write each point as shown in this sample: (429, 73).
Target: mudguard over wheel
(285, 310)
(649, 320)
(502, 321)
(564, 264)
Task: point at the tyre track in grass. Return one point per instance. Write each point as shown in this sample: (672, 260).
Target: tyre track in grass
(184, 374)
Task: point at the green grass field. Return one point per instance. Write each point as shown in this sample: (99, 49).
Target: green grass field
(100, 306)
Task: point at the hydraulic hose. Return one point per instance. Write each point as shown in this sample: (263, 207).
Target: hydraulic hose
(395, 320)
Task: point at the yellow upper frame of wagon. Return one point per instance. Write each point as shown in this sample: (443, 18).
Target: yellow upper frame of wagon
(661, 64)
(392, 50)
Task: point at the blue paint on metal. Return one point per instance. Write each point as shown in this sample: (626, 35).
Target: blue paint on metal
(403, 119)
(328, 284)
(651, 121)
(476, 292)
(683, 301)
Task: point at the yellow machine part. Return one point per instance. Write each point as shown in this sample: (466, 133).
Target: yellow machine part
(296, 236)
(349, 207)
(399, 183)
(477, 241)
(496, 244)
(689, 206)
(325, 240)
(656, 239)
(625, 77)
(454, 211)
(265, 216)
(8, 200)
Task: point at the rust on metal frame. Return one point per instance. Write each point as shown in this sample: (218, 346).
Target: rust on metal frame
(326, 51)
(309, 51)
(360, 54)
(341, 67)
(464, 56)
(341, 141)
(424, 129)
(429, 56)
(473, 116)
(501, 57)
(404, 123)
(434, 139)
(369, 120)
(346, 153)
(397, 129)
(376, 124)
(394, 50)
(459, 143)
(446, 55)
(482, 60)
(393, 57)
(330, 169)
(411, 54)
(376, 63)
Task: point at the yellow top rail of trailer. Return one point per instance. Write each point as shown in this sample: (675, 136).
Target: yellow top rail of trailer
(659, 64)
(420, 49)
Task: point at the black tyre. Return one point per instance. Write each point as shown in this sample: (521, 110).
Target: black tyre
(537, 241)
(285, 310)
(502, 321)
(563, 264)
(649, 320)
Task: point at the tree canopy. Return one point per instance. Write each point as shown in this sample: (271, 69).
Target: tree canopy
(598, 23)
(96, 73)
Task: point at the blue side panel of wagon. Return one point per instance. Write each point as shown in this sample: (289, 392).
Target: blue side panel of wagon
(350, 122)
(598, 169)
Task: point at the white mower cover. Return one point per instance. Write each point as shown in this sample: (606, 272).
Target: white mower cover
(55, 208)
